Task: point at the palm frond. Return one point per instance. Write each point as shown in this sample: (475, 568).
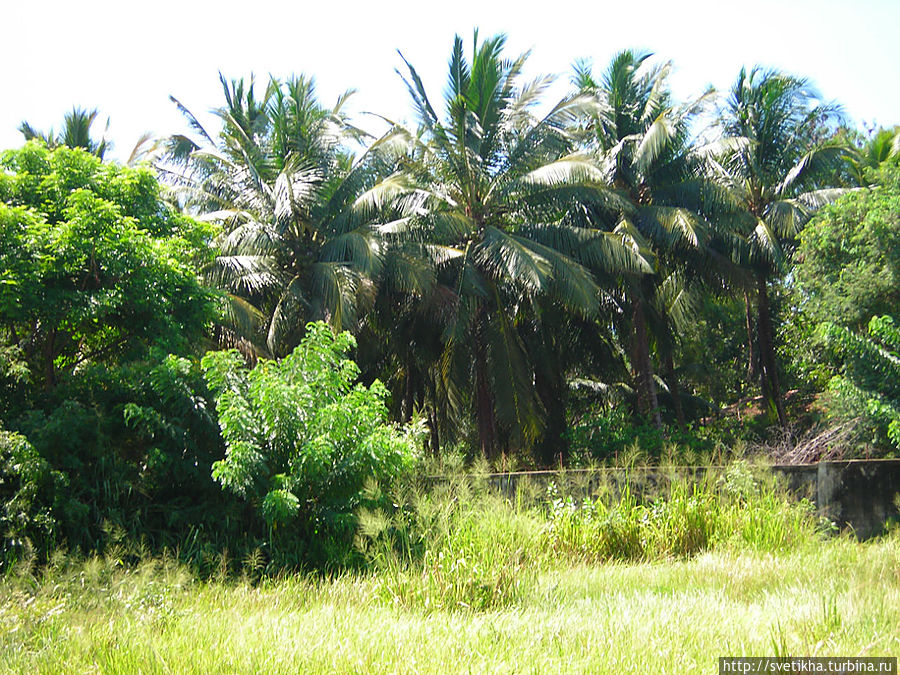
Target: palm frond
(505, 256)
(654, 141)
(566, 171)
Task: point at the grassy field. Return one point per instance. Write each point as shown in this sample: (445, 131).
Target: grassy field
(459, 579)
(836, 597)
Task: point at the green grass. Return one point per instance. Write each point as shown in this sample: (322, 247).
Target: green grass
(459, 579)
(675, 616)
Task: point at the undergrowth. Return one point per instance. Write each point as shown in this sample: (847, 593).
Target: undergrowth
(462, 543)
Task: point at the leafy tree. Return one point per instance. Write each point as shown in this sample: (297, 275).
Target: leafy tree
(778, 167)
(488, 186)
(129, 449)
(848, 263)
(846, 293)
(95, 267)
(302, 439)
(868, 386)
(98, 283)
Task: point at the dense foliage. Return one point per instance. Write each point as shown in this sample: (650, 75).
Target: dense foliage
(192, 352)
(302, 440)
(98, 284)
(848, 264)
(95, 267)
(868, 386)
(847, 295)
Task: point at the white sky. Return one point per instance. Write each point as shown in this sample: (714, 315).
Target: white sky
(125, 58)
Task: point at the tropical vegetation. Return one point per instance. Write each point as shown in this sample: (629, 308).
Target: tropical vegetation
(250, 337)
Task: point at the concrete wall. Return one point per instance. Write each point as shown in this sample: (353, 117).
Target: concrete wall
(858, 494)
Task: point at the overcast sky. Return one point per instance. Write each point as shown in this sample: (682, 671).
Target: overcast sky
(126, 62)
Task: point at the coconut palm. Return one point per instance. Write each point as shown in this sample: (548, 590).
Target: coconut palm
(296, 245)
(882, 146)
(642, 143)
(780, 168)
(489, 185)
(76, 132)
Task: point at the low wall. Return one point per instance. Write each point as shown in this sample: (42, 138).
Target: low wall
(862, 494)
(858, 494)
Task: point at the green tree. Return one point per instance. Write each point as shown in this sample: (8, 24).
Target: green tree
(95, 267)
(868, 384)
(297, 244)
(642, 142)
(490, 184)
(846, 294)
(882, 146)
(76, 133)
(847, 266)
(302, 439)
(98, 283)
(779, 168)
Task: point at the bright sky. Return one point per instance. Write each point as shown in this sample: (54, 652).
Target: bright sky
(126, 58)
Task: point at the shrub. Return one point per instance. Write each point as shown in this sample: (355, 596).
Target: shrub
(128, 452)
(302, 440)
(25, 488)
(869, 385)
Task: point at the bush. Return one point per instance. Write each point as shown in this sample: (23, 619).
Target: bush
(869, 385)
(128, 451)
(25, 478)
(302, 441)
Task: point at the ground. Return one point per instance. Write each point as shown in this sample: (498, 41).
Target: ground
(832, 598)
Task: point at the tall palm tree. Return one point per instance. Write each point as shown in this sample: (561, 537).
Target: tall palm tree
(489, 186)
(780, 167)
(75, 133)
(642, 143)
(296, 244)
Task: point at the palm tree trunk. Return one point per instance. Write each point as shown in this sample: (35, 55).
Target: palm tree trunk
(433, 428)
(484, 399)
(752, 365)
(771, 389)
(550, 383)
(674, 390)
(406, 406)
(648, 403)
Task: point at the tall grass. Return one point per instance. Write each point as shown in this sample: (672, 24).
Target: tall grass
(687, 517)
(463, 544)
(837, 597)
(458, 545)
(460, 576)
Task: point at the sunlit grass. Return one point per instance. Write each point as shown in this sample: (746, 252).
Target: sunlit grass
(836, 597)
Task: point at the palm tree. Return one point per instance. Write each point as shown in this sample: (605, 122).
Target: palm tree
(882, 146)
(296, 245)
(490, 185)
(641, 141)
(76, 132)
(779, 167)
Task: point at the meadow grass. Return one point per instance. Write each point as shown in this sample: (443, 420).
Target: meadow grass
(838, 597)
(460, 579)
